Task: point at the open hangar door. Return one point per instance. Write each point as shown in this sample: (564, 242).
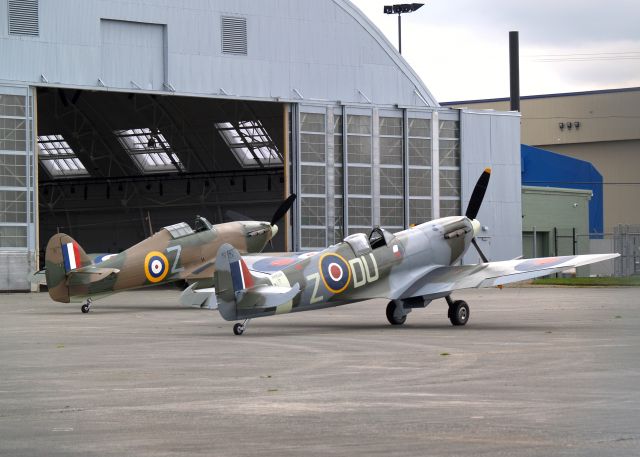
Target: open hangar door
(116, 167)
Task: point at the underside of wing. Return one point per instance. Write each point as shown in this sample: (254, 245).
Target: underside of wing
(440, 281)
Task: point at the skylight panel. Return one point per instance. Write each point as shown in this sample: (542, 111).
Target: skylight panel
(149, 149)
(58, 158)
(250, 143)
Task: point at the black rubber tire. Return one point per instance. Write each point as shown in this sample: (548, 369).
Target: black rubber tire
(238, 329)
(391, 308)
(84, 308)
(459, 313)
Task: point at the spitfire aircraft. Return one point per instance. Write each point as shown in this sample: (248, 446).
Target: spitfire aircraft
(177, 252)
(410, 268)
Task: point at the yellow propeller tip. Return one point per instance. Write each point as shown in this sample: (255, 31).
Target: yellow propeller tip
(487, 170)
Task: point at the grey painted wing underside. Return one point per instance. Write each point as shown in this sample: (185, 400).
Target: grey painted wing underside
(439, 281)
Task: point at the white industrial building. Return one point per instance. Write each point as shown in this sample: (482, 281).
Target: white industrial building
(120, 117)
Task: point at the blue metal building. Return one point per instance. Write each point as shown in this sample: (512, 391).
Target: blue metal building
(547, 169)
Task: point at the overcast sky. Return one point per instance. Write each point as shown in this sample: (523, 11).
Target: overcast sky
(460, 48)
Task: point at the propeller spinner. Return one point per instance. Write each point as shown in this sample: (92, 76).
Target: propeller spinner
(277, 215)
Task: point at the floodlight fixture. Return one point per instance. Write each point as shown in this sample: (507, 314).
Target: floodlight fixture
(399, 9)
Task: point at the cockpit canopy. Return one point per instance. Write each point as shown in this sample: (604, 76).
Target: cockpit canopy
(201, 224)
(179, 230)
(361, 244)
(183, 229)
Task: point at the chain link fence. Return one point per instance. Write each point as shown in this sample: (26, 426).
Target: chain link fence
(625, 240)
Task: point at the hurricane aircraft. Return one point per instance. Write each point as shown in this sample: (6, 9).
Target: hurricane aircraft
(174, 253)
(410, 268)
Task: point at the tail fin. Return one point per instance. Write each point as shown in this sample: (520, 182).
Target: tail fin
(232, 274)
(240, 295)
(63, 255)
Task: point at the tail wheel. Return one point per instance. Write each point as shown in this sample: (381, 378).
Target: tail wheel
(459, 312)
(391, 314)
(238, 329)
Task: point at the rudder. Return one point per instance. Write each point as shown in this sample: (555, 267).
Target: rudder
(232, 276)
(63, 255)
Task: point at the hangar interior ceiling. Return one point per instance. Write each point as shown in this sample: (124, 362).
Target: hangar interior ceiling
(116, 167)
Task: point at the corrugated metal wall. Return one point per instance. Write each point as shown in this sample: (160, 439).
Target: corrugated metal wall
(492, 139)
(296, 49)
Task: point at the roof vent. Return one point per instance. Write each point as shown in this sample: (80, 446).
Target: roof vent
(234, 35)
(23, 17)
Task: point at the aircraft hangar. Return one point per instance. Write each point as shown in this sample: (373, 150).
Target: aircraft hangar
(120, 117)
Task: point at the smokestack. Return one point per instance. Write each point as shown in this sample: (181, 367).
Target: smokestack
(514, 71)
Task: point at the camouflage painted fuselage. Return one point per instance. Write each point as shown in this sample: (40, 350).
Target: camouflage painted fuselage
(353, 270)
(159, 259)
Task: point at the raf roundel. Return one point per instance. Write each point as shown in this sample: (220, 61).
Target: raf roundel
(156, 266)
(335, 272)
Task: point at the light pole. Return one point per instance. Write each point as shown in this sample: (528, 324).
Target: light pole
(399, 9)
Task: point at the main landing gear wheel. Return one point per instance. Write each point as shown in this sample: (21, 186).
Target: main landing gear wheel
(459, 312)
(391, 314)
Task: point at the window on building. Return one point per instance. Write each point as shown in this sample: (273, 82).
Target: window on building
(250, 143)
(149, 149)
(449, 168)
(419, 170)
(338, 189)
(57, 157)
(391, 173)
(358, 142)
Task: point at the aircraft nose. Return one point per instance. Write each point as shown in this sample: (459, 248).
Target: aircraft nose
(476, 227)
(274, 230)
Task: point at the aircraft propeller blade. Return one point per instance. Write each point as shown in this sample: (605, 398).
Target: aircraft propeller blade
(478, 194)
(283, 208)
(482, 256)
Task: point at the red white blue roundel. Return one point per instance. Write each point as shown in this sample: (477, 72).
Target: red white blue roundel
(156, 266)
(335, 272)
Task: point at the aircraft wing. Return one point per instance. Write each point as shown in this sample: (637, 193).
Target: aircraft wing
(439, 281)
(274, 262)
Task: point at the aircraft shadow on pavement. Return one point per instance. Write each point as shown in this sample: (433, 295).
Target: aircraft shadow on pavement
(263, 330)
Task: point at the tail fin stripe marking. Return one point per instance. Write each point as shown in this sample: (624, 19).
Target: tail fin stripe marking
(76, 255)
(240, 275)
(246, 276)
(70, 254)
(236, 276)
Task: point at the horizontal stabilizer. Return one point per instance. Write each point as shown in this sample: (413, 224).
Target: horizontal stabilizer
(200, 298)
(39, 277)
(90, 274)
(264, 296)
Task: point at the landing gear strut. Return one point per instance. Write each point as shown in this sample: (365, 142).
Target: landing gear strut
(86, 307)
(238, 328)
(458, 311)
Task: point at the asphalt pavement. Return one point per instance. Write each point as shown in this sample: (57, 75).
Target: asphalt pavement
(535, 372)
